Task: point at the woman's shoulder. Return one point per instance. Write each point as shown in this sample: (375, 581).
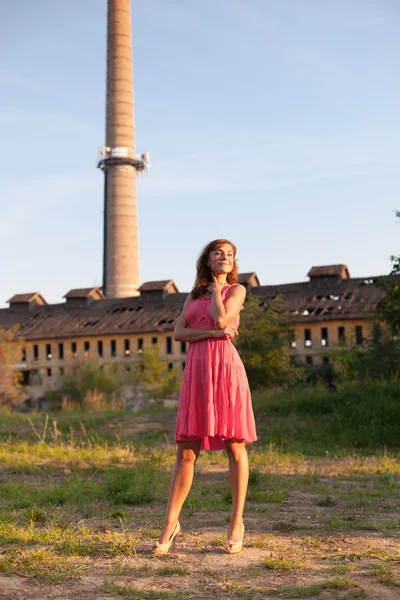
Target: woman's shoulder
(236, 288)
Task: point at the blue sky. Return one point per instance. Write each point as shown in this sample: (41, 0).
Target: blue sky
(274, 123)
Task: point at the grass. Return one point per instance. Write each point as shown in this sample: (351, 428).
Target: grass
(45, 565)
(284, 564)
(135, 593)
(362, 415)
(310, 591)
(81, 492)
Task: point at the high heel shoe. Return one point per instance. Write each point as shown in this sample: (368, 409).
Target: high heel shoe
(232, 547)
(159, 549)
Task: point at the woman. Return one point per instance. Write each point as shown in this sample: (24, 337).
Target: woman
(215, 409)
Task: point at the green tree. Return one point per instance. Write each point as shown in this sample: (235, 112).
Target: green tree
(87, 378)
(264, 340)
(10, 355)
(389, 307)
(152, 376)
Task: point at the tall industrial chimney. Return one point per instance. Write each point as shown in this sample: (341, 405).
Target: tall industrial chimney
(119, 161)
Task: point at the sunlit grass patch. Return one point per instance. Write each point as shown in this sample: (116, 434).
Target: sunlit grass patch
(135, 593)
(285, 564)
(387, 574)
(129, 567)
(11, 533)
(132, 486)
(107, 544)
(44, 564)
(315, 589)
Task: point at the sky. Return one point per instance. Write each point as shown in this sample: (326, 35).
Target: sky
(273, 123)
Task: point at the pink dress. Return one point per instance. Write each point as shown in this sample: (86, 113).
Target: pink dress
(215, 401)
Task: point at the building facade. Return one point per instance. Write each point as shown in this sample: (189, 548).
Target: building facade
(329, 310)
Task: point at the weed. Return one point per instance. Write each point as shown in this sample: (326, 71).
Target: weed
(135, 593)
(284, 564)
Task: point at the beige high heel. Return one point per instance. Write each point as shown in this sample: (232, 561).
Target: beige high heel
(232, 547)
(159, 549)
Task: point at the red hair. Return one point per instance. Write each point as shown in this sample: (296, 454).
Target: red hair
(203, 271)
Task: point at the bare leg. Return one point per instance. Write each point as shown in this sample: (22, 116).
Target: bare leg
(181, 482)
(238, 479)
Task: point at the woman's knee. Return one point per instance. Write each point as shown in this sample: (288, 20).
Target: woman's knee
(187, 455)
(236, 450)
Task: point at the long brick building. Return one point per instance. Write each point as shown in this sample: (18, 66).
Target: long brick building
(329, 309)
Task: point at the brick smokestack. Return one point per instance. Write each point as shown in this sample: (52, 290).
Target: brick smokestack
(119, 161)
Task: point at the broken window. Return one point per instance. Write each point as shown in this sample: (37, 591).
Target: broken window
(359, 334)
(341, 335)
(48, 351)
(140, 344)
(127, 347)
(169, 345)
(100, 348)
(307, 338)
(74, 348)
(61, 351)
(154, 340)
(324, 336)
(113, 348)
(86, 348)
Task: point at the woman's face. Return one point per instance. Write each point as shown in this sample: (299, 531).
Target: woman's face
(222, 259)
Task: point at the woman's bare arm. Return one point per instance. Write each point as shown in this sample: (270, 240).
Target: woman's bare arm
(223, 314)
(183, 333)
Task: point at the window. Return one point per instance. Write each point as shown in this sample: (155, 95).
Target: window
(183, 366)
(48, 372)
(61, 371)
(74, 348)
(293, 338)
(307, 338)
(169, 345)
(35, 352)
(127, 347)
(359, 334)
(140, 344)
(113, 348)
(23, 357)
(309, 360)
(325, 360)
(154, 340)
(100, 348)
(170, 366)
(183, 348)
(48, 351)
(86, 348)
(61, 351)
(341, 335)
(324, 336)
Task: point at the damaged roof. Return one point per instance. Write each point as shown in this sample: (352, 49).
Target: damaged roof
(320, 299)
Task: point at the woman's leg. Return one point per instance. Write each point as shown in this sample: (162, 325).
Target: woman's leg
(181, 482)
(238, 479)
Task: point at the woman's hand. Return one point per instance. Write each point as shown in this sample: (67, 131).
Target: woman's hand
(215, 285)
(229, 331)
